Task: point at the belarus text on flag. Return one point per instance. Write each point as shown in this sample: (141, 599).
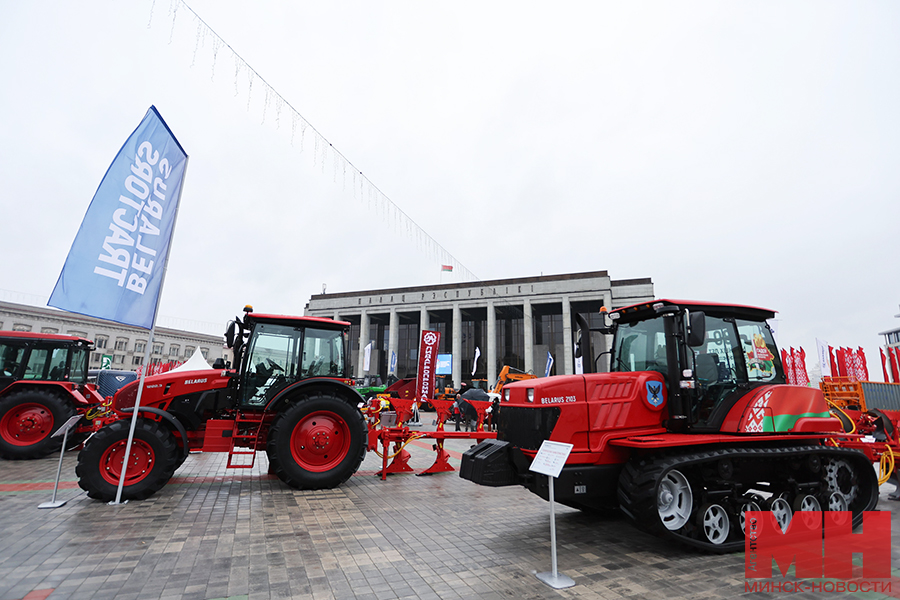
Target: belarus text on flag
(115, 268)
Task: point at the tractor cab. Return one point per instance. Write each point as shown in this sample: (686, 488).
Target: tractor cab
(43, 357)
(276, 351)
(710, 355)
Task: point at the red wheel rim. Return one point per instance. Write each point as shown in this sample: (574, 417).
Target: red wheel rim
(320, 441)
(140, 462)
(26, 424)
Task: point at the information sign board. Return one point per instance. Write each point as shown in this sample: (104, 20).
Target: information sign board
(550, 458)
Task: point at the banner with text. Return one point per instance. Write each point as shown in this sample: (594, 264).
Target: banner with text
(428, 354)
(115, 268)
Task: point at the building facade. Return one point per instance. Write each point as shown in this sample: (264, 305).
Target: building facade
(513, 322)
(123, 344)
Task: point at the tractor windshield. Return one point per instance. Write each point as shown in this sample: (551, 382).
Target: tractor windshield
(640, 346)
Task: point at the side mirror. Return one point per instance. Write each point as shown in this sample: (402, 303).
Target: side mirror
(584, 349)
(229, 334)
(697, 329)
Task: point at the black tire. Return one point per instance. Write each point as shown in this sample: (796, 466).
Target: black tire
(317, 442)
(153, 450)
(27, 420)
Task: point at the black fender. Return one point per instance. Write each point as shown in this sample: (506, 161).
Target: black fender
(168, 417)
(886, 425)
(317, 383)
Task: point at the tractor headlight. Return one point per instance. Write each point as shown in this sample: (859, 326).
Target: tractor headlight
(506, 395)
(531, 394)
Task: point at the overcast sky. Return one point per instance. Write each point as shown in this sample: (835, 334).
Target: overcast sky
(739, 152)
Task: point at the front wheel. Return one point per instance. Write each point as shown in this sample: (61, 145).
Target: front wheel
(27, 420)
(151, 463)
(317, 442)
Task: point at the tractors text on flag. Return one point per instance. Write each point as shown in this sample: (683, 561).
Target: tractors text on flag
(117, 263)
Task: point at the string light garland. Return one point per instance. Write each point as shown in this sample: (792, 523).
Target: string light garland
(363, 189)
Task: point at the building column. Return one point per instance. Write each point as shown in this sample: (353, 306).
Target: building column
(568, 349)
(457, 345)
(336, 316)
(363, 342)
(424, 320)
(491, 344)
(393, 342)
(528, 334)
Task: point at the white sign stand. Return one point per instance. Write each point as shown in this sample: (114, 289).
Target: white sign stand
(64, 431)
(549, 461)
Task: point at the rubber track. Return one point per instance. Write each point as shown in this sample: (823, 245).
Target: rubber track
(640, 477)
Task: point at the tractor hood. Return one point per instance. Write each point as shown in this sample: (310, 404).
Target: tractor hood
(159, 388)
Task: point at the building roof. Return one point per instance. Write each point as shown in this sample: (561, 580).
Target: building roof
(486, 283)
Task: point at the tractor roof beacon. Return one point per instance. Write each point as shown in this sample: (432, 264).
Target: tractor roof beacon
(692, 427)
(288, 393)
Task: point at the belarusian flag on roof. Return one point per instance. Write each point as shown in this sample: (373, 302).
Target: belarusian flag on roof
(446, 267)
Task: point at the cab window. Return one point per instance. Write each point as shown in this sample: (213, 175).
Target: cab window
(10, 359)
(717, 360)
(79, 367)
(758, 345)
(37, 363)
(323, 354)
(57, 370)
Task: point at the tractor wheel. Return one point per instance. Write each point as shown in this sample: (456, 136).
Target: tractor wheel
(153, 459)
(317, 442)
(27, 420)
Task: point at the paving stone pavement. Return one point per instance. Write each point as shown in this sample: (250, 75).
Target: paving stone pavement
(217, 533)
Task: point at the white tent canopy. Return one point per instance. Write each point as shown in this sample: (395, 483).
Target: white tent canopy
(195, 363)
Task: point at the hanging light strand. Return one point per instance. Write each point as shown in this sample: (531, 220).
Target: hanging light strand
(384, 206)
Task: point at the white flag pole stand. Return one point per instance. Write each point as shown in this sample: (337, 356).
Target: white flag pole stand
(64, 430)
(549, 461)
(137, 400)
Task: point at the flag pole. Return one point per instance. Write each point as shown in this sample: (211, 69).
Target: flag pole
(147, 350)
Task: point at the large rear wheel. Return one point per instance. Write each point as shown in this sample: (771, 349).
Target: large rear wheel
(27, 420)
(151, 463)
(317, 442)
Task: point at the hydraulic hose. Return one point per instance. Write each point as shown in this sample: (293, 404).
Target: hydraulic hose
(886, 465)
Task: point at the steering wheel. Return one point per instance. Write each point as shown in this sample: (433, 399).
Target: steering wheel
(274, 365)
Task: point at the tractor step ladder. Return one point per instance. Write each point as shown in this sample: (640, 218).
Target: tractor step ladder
(238, 436)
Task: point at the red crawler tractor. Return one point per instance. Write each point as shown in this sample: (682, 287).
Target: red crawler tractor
(692, 427)
(43, 383)
(290, 396)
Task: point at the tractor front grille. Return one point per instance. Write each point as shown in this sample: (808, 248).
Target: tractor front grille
(526, 427)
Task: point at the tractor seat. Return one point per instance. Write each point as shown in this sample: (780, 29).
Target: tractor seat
(707, 368)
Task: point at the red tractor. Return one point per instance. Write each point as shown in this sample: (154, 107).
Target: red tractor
(692, 427)
(290, 395)
(43, 383)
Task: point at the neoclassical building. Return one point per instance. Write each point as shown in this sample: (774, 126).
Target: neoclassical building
(514, 322)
